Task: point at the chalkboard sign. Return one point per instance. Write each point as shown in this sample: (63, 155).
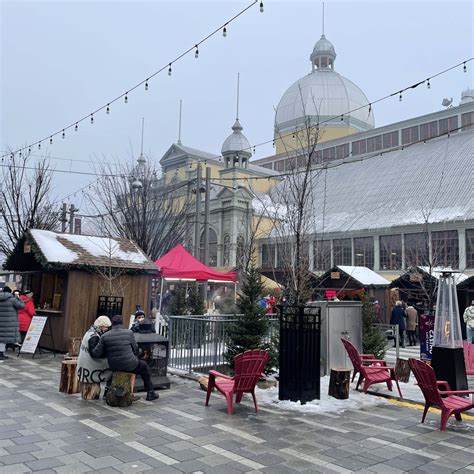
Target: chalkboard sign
(34, 334)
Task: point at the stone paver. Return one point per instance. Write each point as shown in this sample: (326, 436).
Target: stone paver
(42, 430)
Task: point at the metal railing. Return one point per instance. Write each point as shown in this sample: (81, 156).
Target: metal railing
(198, 342)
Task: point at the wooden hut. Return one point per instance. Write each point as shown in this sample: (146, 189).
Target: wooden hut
(75, 278)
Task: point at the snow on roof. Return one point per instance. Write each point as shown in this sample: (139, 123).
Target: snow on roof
(364, 275)
(90, 250)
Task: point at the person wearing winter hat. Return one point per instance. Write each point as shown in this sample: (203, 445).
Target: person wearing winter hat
(9, 332)
(121, 349)
(93, 369)
(26, 314)
(468, 317)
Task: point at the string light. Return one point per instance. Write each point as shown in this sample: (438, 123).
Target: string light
(92, 118)
(29, 149)
(464, 68)
(370, 108)
(76, 127)
(224, 32)
(261, 7)
(169, 70)
(196, 53)
(39, 146)
(126, 98)
(428, 85)
(146, 85)
(107, 110)
(63, 135)
(342, 118)
(51, 140)
(400, 96)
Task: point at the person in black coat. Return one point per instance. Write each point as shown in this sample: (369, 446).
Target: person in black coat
(398, 317)
(121, 350)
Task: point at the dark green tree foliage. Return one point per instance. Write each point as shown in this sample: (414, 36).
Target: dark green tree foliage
(178, 304)
(373, 339)
(195, 302)
(252, 327)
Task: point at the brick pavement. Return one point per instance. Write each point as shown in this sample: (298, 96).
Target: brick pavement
(42, 430)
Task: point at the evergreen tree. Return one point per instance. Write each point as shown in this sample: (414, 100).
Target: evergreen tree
(252, 327)
(178, 302)
(195, 302)
(373, 339)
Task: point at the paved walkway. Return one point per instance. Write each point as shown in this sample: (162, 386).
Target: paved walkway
(42, 430)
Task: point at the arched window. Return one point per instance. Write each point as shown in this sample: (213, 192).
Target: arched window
(239, 259)
(212, 248)
(226, 251)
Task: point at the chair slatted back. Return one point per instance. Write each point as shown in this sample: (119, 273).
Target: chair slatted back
(469, 356)
(426, 378)
(249, 366)
(353, 354)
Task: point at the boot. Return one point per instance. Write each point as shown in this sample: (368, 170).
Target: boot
(150, 396)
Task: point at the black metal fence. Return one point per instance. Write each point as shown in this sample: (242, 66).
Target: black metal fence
(300, 353)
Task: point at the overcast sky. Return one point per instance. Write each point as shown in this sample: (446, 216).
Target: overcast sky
(61, 60)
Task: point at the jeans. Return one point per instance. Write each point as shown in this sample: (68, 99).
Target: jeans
(143, 370)
(470, 334)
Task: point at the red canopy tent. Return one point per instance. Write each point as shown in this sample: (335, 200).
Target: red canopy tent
(179, 263)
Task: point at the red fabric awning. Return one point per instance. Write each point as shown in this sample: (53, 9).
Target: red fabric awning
(179, 263)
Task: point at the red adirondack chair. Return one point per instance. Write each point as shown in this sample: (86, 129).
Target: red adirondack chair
(248, 367)
(370, 370)
(469, 357)
(447, 400)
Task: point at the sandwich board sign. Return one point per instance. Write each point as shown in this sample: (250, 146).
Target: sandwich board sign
(34, 334)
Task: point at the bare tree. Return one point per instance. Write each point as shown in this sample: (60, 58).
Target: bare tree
(25, 194)
(134, 203)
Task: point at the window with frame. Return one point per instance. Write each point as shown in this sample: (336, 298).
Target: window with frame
(445, 248)
(342, 151)
(428, 130)
(374, 143)
(342, 249)
(390, 139)
(416, 249)
(226, 250)
(410, 135)
(470, 248)
(280, 165)
(364, 252)
(449, 124)
(390, 252)
(322, 255)
(359, 147)
(284, 255)
(467, 121)
(316, 157)
(329, 154)
(268, 255)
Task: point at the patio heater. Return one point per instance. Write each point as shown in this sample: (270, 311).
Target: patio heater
(448, 357)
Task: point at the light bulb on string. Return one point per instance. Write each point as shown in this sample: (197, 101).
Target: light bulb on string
(196, 53)
(146, 85)
(63, 135)
(19, 154)
(39, 146)
(29, 149)
(169, 70)
(261, 7)
(428, 85)
(370, 108)
(342, 118)
(400, 96)
(107, 110)
(464, 67)
(126, 98)
(92, 118)
(224, 32)
(76, 127)
(51, 140)
(254, 150)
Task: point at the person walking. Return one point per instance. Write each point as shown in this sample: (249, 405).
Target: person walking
(26, 314)
(468, 317)
(412, 321)
(94, 369)
(398, 317)
(121, 349)
(9, 332)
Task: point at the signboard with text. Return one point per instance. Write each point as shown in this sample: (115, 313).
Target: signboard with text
(33, 335)
(426, 325)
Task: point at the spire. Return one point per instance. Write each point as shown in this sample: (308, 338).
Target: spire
(179, 126)
(238, 90)
(323, 18)
(140, 168)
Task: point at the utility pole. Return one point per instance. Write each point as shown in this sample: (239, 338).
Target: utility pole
(72, 211)
(197, 227)
(207, 215)
(63, 218)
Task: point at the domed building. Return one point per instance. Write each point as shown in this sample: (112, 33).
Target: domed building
(325, 97)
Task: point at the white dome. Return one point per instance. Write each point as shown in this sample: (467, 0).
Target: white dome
(236, 141)
(325, 94)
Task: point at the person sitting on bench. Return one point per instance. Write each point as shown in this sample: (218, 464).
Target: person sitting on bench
(121, 350)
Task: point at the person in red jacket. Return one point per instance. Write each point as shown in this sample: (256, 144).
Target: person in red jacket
(26, 314)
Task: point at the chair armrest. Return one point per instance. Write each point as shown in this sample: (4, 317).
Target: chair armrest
(456, 392)
(443, 383)
(214, 373)
(372, 356)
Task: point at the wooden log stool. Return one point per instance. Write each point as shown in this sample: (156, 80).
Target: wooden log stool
(74, 345)
(402, 370)
(120, 393)
(68, 382)
(90, 391)
(339, 382)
